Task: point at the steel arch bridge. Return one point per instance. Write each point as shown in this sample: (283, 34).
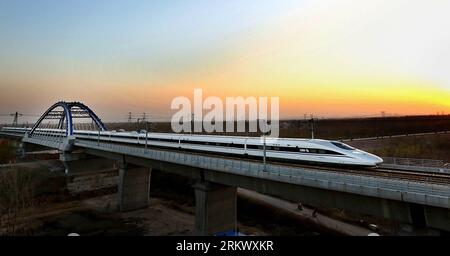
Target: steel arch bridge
(60, 120)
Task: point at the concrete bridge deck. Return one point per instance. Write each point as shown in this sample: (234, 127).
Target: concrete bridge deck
(409, 201)
(376, 196)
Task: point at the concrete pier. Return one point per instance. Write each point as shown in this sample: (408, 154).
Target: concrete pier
(215, 208)
(133, 187)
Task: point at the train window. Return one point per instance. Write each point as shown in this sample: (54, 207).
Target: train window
(342, 145)
(289, 149)
(237, 145)
(322, 151)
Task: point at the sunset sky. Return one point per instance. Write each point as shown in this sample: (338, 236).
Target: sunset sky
(323, 57)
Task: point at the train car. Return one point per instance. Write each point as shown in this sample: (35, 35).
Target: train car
(315, 151)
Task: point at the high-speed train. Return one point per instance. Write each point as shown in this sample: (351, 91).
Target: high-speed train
(312, 151)
(315, 151)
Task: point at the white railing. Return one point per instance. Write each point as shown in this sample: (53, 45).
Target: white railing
(413, 162)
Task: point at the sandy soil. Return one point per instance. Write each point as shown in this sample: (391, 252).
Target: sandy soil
(98, 216)
(161, 218)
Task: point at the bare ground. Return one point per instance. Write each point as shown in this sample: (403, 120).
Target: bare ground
(98, 216)
(426, 147)
(161, 218)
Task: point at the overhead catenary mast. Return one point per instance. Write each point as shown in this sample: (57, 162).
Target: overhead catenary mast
(16, 118)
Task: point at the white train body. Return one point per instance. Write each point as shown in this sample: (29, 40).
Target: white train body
(282, 149)
(287, 149)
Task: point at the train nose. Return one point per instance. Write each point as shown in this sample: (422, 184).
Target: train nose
(375, 159)
(369, 158)
(378, 160)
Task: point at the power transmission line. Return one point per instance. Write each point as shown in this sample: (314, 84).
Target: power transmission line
(130, 117)
(15, 116)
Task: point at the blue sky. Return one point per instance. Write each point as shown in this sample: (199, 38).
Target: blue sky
(110, 25)
(59, 36)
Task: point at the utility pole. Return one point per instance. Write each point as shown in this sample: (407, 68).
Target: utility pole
(264, 149)
(144, 116)
(146, 134)
(193, 123)
(130, 117)
(16, 118)
(312, 126)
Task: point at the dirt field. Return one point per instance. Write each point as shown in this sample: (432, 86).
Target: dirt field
(425, 147)
(55, 211)
(97, 216)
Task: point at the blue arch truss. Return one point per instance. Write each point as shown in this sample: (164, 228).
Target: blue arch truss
(68, 115)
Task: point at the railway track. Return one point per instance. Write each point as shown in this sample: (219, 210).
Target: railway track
(419, 176)
(406, 175)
